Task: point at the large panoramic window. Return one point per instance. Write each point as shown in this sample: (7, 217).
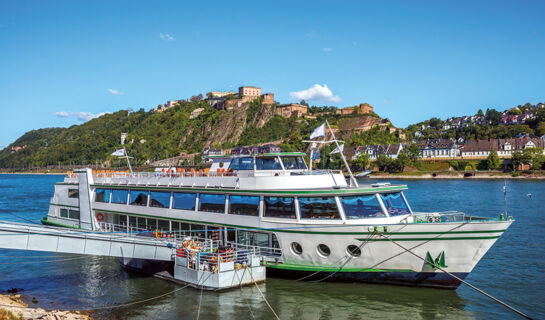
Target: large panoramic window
(160, 199)
(268, 164)
(73, 214)
(212, 202)
(119, 196)
(139, 198)
(395, 204)
(244, 205)
(318, 208)
(184, 201)
(102, 195)
(246, 163)
(291, 163)
(279, 207)
(362, 206)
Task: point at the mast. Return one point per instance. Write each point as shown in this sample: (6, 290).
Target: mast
(353, 181)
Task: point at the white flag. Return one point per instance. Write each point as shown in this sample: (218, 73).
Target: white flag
(339, 149)
(318, 132)
(119, 153)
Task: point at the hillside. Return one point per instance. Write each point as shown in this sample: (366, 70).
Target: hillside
(490, 124)
(153, 136)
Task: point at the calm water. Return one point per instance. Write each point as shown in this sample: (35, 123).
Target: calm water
(512, 270)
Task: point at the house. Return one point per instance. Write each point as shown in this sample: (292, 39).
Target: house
(244, 150)
(504, 147)
(390, 150)
(226, 100)
(438, 148)
(287, 110)
(268, 148)
(249, 91)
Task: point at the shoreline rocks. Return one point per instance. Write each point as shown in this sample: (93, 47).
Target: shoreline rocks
(20, 310)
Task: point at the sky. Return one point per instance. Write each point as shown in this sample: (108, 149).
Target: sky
(65, 62)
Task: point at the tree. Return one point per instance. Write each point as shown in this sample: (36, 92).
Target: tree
(534, 157)
(520, 158)
(413, 151)
(540, 129)
(197, 98)
(480, 113)
(303, 102)
(493, 116)
(493, 161)
(361, 161)
(383, 161)
(436, 123)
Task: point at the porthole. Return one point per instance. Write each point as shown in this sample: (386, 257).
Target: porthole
(296, 248)
(323, 250)
(353, 250)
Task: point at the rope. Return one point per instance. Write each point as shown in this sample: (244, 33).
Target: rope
(459, 279)
(261, 293)
(136, 302)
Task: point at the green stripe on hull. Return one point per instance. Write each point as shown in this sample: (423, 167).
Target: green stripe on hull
(285, 266)
(319, 232)
(57, 224)
(430, 239)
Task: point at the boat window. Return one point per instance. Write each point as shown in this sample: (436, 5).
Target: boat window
(212, 202)
(73, 193)
(73, 214)
(323, 250)
(102, 195)
(395, 204)
(142, 223)
(246, 163)
(268, 164)
(198, 230)
(296, 248)
(253, 238)
(138, 198)
(291, 163)
(353, 250)
(119, 196)
(132, 222)
(160, 199)
(64, 213)
(184, 201)
(244, 205)
(164, 225)
(362, 206)
(151, 224)
(318, 208)
(279, 207)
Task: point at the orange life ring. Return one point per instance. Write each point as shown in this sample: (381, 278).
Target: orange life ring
(100, 217)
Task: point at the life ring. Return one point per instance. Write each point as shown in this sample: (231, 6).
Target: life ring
(100, 217)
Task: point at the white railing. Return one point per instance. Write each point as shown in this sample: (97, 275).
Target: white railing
(446, 216)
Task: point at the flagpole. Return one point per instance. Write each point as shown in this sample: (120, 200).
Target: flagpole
(127, 157)
(353, 180)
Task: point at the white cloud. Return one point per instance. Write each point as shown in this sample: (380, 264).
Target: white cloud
(327, 49)
(316, 93)
(311, 34)
(81, 116)
(115, 92)
(166, 37)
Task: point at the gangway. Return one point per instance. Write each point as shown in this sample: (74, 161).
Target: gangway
(24, 236)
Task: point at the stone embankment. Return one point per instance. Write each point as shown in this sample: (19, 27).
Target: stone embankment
(12, 307)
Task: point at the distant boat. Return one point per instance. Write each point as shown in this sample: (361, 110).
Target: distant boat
(364, 174)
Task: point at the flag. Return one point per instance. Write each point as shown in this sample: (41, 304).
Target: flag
(119, 153)
(339, 149)
(318, 132)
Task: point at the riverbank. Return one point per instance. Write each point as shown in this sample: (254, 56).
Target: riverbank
(13, 308)
(458, 175)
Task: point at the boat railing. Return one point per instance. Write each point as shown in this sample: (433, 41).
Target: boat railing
(434, 217)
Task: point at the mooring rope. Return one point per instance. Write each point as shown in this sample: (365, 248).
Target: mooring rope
(262, 295)
(459, 279)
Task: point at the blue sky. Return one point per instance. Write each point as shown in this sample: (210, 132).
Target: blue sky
(411, 60)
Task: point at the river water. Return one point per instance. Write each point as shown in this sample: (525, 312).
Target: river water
(512, 270)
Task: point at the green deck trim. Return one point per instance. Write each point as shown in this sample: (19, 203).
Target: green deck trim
(310, 232)
(286, 266)
(285, 154)
(430, 239)
(57, 224)
(66, 184)
(332, 192)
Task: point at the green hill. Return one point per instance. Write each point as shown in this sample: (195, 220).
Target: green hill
(153, 136)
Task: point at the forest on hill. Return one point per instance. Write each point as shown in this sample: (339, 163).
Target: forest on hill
(153, 136)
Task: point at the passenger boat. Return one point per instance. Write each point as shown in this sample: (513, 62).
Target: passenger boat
(317, 224)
